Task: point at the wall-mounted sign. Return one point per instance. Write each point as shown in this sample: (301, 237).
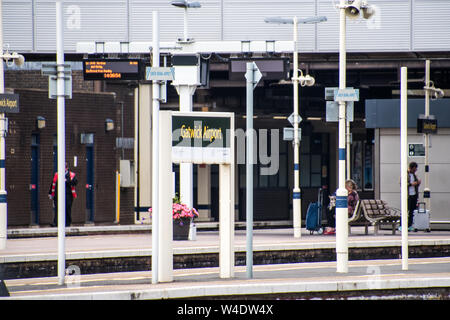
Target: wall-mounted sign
(112, 69)
(201, 139)
(9, 103)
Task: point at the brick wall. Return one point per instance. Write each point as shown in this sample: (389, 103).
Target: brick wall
(85, 113)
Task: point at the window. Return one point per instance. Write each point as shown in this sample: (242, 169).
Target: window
(313, 160)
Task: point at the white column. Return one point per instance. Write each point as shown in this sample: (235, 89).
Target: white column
(404, 163)
(427, 138)
(341, 194)
(165, 222)
(296, 195)
(157, 211)
(61, 192)
(186, 93)
(226, 221)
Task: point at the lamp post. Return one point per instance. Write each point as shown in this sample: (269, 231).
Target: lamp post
(304, 80)
(352, 10)
(437, 93)
(185, 5)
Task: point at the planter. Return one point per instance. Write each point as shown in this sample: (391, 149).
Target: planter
(181, 229)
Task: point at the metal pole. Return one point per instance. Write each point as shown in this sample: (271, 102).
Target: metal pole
(3, 121)
(427, 139)
(341, 194)
(155, 153)
(249, 169)
(404, 164)
(185, 27)
(296, 196)
(61, 142)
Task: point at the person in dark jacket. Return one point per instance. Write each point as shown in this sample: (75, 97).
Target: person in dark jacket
(71, 182)
(413, 192)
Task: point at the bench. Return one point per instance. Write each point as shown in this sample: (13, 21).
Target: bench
(358, 219)
(377, 213)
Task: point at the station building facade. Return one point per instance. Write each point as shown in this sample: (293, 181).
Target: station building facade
(403, 33)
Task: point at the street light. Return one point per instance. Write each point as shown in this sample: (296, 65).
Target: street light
(351, 9)
(436, 94)
(185, 4)
(304, 80)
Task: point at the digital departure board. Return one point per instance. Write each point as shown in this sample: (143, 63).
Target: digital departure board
(109, 69)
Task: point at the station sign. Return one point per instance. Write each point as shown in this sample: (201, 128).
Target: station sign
(9, 103)
(112, 69)
(348, 94)
(201, 139)
(159, 73)
(288, 134)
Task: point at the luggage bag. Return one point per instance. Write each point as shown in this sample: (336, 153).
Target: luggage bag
(421, 218)
(314, 215)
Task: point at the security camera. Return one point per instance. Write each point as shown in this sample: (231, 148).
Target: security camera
(307, 81)
(353, 8)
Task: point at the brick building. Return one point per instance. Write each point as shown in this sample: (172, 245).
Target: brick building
(31, 152)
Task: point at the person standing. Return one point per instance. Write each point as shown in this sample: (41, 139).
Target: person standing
(71, 182)
(413, 192)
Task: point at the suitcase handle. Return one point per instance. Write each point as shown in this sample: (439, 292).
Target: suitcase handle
(423, 209)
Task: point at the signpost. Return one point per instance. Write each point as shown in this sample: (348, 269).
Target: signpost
(253, 75)
(210, 134)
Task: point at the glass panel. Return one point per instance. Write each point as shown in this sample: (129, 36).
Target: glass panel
(357, 163)
(368, 165)
(242, 176)
(283, 171)
(315, 180)
(263, 180)
(304, 145)
(316, 163)
(304, 171)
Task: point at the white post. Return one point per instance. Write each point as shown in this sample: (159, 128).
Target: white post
(296, 196)
(61, 142)
(426, 189)
(186, 93)
(185, 27)
(341, 194)
(156, 213)
(165, 223)
(404, 164)
(226, 212)
(249, 169)
(3, 193)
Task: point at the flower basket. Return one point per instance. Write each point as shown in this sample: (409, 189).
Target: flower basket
(182, 217)
(181, 229)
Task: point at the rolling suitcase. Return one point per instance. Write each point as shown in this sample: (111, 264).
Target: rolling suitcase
(314, 215)
(421, 218)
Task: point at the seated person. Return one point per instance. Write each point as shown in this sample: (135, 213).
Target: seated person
(352, 199)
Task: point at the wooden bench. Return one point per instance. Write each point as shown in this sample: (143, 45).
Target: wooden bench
(377, 213)
(358, 219)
